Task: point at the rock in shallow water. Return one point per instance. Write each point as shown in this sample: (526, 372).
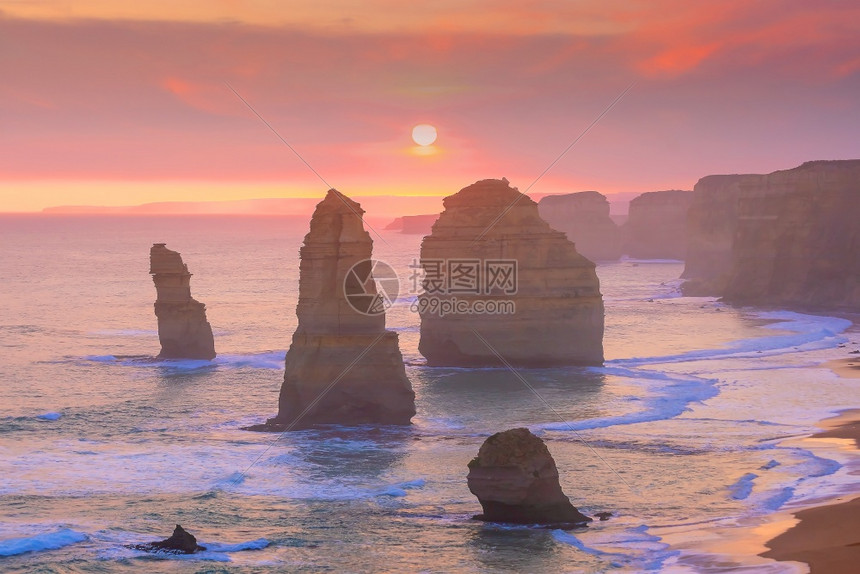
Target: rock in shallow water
(183, 330)
(526, 296)
(343, 366)
(516, 481)
(180, 542)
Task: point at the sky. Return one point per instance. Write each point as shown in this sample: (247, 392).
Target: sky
(108, 103)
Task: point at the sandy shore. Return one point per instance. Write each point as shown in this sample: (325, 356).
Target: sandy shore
(846, 368)
(827, 537)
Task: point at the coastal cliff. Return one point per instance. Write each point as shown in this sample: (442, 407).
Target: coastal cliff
(786, 238)
(656, 227)
(343, 366)
(183, 331)
(584, 217)
(540, 298)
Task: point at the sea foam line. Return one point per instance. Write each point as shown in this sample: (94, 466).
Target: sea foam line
(41, 542)
(807, 333)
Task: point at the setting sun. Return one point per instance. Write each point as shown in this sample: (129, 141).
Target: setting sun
(424, 134)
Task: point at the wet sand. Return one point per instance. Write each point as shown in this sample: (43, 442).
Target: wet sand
(827, 538)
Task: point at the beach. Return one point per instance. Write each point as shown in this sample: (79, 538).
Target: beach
(827, 537)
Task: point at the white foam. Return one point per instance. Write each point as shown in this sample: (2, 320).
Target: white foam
(807, 333)
(264, 360)
(667, 402)
(41, 542)
(51, 416)
(257, 544)
(568, 538)
(399, 490)
(743, 487)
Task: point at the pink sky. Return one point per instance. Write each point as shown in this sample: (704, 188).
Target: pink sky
(109, 105)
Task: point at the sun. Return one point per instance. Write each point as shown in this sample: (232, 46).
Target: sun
(424, 134)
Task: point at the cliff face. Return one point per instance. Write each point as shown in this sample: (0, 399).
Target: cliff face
(657, 225)
(343, 367)
(711, 225)
(183, 330)
(584, 217)
(789, 237)
(487, 233)
(800, 249)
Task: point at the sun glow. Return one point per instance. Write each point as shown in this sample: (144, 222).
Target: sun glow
(424, 134)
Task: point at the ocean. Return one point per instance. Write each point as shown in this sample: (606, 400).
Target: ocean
(688, 430)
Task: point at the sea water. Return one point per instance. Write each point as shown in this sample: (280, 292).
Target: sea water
(102, 445)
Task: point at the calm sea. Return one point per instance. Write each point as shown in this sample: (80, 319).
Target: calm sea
(682, 432)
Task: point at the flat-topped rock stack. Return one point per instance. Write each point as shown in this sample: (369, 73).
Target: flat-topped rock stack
(183, 330)
(584, 217)
(343, 366)
(558, 308)
(657, 225)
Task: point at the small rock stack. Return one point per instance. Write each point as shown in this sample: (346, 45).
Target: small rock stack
(183, 330)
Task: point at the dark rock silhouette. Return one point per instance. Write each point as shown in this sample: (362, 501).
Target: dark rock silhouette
(516, 481)
(557, 317)
(180, 542)
(183, 330)
(584, 217)
(787, 238)
(343, 366)
(656, 226)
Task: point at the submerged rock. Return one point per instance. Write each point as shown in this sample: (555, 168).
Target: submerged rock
(516, 481)
(343, 366)
(183, 330)
(584, 217)
(180, 542)
(525, 295)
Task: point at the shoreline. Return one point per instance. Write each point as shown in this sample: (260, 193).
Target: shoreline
(826, 537)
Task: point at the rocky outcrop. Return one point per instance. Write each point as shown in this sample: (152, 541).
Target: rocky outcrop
(183, 330)
(786, 238)
(413, 224)
(343, 366)
(516, 481)
(584, 217)
(656, 227)
(180, 542)
(522, 292)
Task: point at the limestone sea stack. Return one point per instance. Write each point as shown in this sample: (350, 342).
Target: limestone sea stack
(183, 330)
(584, 217)
(790, 237)
(343, 366)
(516, 481)
(531, 298)
(656, 227)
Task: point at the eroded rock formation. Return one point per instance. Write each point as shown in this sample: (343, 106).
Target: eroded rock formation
(656, 227)
(180, 542)
(786, 238)
(490, 249)
(516, 481)
(343, 366)
(183, 330)
(584, 217)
